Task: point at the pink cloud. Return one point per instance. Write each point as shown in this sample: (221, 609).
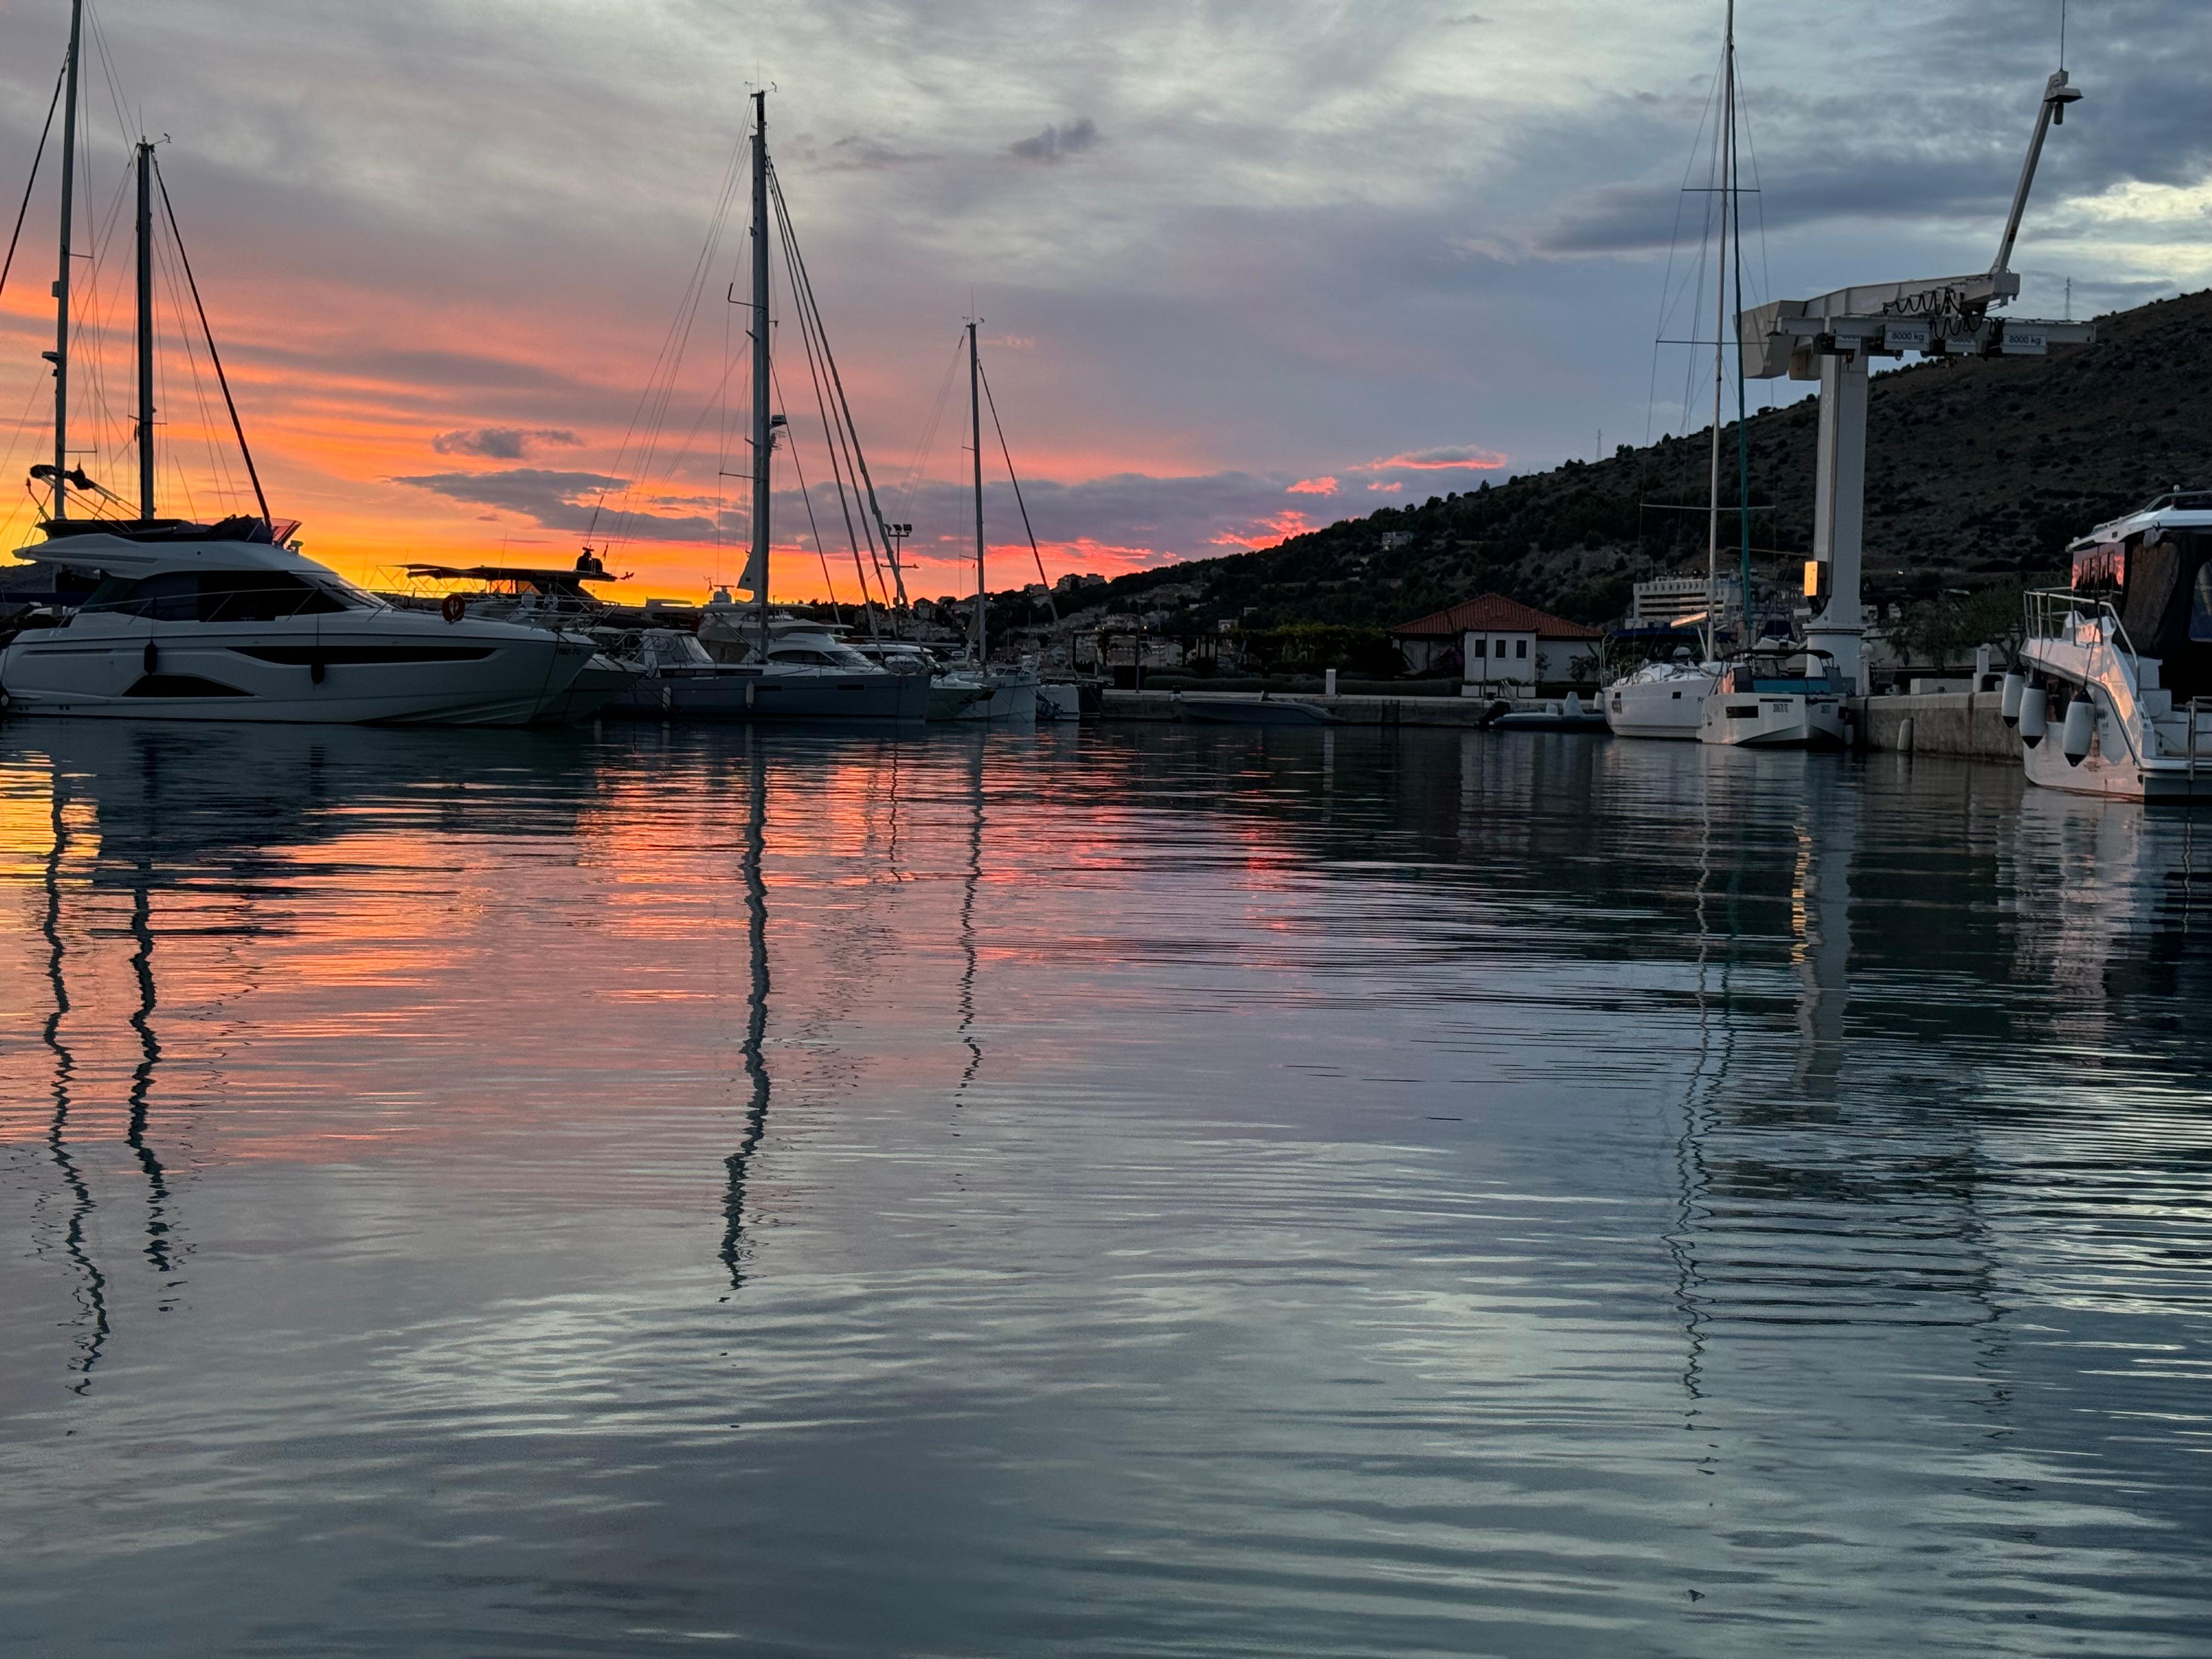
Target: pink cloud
(1280, 526)
(1322, 486)
(1389, 488)
(1446, 457)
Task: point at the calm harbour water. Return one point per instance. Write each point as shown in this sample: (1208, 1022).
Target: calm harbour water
(1126, 1191)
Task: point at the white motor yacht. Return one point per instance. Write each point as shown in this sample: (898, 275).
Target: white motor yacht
(2117, 696)
(224, 621)
(805, 677)
(1774, 699)
(1660, 699)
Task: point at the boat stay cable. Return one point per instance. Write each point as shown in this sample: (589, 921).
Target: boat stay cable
(806, 497)
(213, 356)
(31, 183)
(1018, 501)
(802, 287)
(815, 344)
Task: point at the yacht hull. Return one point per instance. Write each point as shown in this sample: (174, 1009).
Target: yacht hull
(1663, 708)
(993, 697)
(364, 669)
(1768, 719)
(723, 694)
(2118, 778)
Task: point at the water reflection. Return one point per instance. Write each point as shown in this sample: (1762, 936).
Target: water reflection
(92, 1294)
(755, 1061)
(1429, 1193)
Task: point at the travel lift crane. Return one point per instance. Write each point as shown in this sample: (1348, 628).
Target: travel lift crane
(1832, 338)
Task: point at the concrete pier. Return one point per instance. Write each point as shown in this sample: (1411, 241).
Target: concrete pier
(1461, 712)
(1970, 724)
(1965, 723)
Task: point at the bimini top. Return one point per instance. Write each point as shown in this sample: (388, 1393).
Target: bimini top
(2183, 509)
(554, 580)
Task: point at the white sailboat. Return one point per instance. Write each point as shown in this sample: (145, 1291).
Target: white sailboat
(1667, 699)
(230, 621)
(984, 691)
(1784, 697)
(750, 664)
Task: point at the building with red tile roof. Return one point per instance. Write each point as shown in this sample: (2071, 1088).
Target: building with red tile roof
(1500, 641)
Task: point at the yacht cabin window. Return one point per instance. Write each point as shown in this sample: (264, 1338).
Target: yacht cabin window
(2200, 604)
(226, 596)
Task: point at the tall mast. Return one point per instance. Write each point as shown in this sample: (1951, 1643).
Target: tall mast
(975, 424)
(763, 435)
(145, 330)
(1720, 322)
(1734, 200)
(62, 283)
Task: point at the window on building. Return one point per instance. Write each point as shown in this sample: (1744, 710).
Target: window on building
(1520, 647)
(1501, 648)
(1478, 647)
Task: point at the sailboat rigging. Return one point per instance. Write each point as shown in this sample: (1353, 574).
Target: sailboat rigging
(229, 620)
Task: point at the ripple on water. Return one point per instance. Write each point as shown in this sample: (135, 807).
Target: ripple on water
(1124, 1191)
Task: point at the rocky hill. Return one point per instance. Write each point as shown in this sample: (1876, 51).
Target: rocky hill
(1977, 472)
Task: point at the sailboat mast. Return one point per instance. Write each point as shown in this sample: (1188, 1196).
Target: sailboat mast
(60, 353)
(1720, 359)
(763, 433)
(145, 330)
(976, 425)
(1734, 200)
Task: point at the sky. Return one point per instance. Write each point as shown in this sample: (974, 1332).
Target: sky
(1242, 269)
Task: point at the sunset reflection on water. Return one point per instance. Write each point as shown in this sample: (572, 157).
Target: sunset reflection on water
(1126, 1189)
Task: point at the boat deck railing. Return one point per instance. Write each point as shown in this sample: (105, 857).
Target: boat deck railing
(2072, 618)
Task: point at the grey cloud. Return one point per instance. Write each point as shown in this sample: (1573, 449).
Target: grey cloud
(1057, 144)
(572, 501)
(502, 443)
(855, 153)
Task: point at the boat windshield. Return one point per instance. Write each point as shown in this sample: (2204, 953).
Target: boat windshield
(226, 596)
(821, 652)
(2200, 604)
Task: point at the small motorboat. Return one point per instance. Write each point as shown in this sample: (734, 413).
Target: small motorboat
(1567, 714)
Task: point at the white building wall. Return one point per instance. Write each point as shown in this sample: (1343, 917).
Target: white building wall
(1499, 657)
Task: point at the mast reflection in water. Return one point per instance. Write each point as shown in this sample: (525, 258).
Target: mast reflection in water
(1428, 1193)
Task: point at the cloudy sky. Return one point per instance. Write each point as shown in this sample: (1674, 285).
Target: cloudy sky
(1242, 267)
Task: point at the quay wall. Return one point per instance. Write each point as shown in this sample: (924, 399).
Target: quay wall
(1967, 723)
(1461, 712)
(1970, 724)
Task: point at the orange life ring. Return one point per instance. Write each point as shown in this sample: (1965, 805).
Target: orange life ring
(453, 607)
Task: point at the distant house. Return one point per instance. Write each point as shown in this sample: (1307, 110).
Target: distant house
(1499, 642)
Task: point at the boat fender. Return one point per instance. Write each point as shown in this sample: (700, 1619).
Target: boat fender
(452, 607)
(153, 657)
(315, 670)
(2081, 722)
(2034, 715)
(2014, 687)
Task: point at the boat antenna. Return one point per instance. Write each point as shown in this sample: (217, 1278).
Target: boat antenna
(59, 354)
(146, 330)
(221, 380)
(976, 425)
(763, 432)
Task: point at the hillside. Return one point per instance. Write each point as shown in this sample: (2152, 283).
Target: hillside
(1976, 471)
